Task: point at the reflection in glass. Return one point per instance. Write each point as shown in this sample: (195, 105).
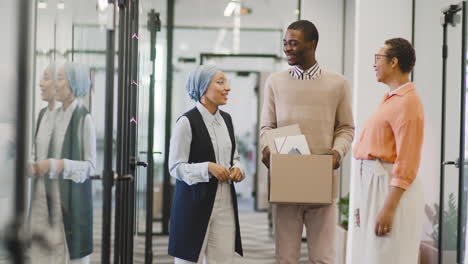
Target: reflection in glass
(40, 220)
(69, 161)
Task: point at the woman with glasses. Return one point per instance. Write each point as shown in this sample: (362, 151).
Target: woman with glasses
(203, 158)
(388, 215)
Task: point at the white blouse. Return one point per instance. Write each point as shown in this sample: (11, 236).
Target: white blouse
(75, 170)
(193, 173)
(44, 135)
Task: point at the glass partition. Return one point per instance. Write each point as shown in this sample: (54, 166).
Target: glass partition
(68, 131)
(9, 28)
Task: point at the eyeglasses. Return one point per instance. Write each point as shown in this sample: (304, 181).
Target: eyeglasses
(377, 57)
(223, 82)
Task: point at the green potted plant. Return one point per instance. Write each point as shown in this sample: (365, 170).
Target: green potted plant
(449, 239)
(342, 230)
(343, 207)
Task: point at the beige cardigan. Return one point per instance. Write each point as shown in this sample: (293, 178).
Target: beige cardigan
(321, 107)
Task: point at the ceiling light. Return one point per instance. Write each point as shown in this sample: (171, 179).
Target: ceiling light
(231, 6)
(42, 4)
(102, 4)
(61, 5)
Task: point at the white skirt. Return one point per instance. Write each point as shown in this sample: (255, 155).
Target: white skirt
(401, 245)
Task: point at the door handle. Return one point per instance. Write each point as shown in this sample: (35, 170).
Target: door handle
(125, 177)
(117, 177)
(154, 152)
(452, 162)
(134, 163)
(142, 163)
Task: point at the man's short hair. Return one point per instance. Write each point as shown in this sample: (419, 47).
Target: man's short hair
(403, 50)
(308, 28)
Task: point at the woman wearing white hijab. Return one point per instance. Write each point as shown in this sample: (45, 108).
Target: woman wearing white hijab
(72, 159)
(204, 225)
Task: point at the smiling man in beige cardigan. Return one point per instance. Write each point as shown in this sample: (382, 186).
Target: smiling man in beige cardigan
(319, 101)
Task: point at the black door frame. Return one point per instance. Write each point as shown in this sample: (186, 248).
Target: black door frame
(461, 182)
(125, 216)
(126, 131)
(108, 172)
(449, 18)
(154, 26)
(15, 241)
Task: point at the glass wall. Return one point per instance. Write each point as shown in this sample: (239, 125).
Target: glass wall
(71, 61)
(145, 70)
(450, 182)
(8, 27)
(68, 125)
(442, 179)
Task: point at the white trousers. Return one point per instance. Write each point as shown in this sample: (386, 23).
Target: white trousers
(54, 234)
(219, 242)
(401, 245)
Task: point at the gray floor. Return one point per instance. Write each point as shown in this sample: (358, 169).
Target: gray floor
(257, 242)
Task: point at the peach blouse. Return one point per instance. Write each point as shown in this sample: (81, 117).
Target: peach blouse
(394, 133)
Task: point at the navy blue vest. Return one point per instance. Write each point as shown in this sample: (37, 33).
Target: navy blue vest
(193, 204)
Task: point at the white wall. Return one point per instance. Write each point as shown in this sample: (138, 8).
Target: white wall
(348, 67)
(327, 15)
(428, 79)
(376, 21)
(372, 29)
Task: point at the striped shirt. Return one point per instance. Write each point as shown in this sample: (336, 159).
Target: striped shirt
(310, 74)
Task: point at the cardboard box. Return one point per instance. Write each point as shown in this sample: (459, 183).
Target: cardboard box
(304, 179)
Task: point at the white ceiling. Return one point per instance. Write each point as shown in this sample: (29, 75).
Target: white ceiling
(265, 13)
